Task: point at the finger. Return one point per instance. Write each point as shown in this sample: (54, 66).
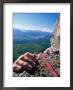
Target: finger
(31, 62)
(19, 62)
(24, 63)
(26, 58)
(16, 68)
(29, 55)
(21, 57)
(53, 49)
(27, 66)
(48, 50)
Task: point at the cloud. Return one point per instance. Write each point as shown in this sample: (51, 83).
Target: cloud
(46, 29)
(34, 28)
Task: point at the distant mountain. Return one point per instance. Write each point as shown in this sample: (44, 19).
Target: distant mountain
(29, 34)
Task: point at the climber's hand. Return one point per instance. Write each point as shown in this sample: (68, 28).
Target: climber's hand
(26, 61)
(50, 50)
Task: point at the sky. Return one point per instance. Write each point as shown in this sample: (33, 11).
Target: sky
(35, 21)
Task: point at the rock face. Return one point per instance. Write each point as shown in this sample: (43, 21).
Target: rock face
(50, 66)
(55, 41)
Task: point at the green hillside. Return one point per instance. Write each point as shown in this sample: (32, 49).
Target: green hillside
(33, 47)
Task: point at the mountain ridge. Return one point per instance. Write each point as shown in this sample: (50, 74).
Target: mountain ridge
(29, 34)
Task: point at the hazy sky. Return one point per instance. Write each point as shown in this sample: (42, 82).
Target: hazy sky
(35, 21)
